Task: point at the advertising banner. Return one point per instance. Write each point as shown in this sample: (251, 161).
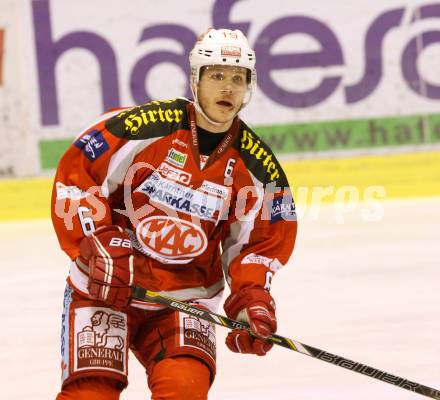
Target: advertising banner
(331, 75)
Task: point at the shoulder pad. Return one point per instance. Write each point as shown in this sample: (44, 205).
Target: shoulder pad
(153, 119)
(259, 159)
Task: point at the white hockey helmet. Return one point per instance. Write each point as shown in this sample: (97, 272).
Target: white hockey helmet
(222, 47)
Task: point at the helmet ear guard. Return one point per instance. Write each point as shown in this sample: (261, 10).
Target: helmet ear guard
(222, 47)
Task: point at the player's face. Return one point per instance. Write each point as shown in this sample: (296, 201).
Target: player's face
(221, 92)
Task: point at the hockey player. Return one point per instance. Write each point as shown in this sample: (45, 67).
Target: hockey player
(173, 196)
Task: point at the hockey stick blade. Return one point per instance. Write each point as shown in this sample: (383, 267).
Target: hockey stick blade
(149, 296)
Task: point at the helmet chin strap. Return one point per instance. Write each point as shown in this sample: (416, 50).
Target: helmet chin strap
(199, 108)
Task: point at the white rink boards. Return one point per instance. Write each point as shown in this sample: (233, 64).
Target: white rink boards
(368, 291)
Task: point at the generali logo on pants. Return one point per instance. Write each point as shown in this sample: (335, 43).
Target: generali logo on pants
(171, 240)
(198, 333)
(100, 339)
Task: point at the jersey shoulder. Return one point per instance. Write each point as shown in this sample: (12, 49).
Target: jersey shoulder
(259, 158)
(153, 119)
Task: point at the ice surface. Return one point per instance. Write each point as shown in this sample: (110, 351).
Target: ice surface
(369, 291)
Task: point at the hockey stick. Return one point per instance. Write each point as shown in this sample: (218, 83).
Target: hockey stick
(147, 295)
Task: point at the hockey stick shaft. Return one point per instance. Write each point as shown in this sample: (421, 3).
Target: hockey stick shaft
(149, 296)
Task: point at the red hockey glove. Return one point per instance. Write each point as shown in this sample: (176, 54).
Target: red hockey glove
(109, 254)
(257, 307)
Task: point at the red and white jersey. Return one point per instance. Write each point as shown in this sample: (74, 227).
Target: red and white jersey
(192, 220)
